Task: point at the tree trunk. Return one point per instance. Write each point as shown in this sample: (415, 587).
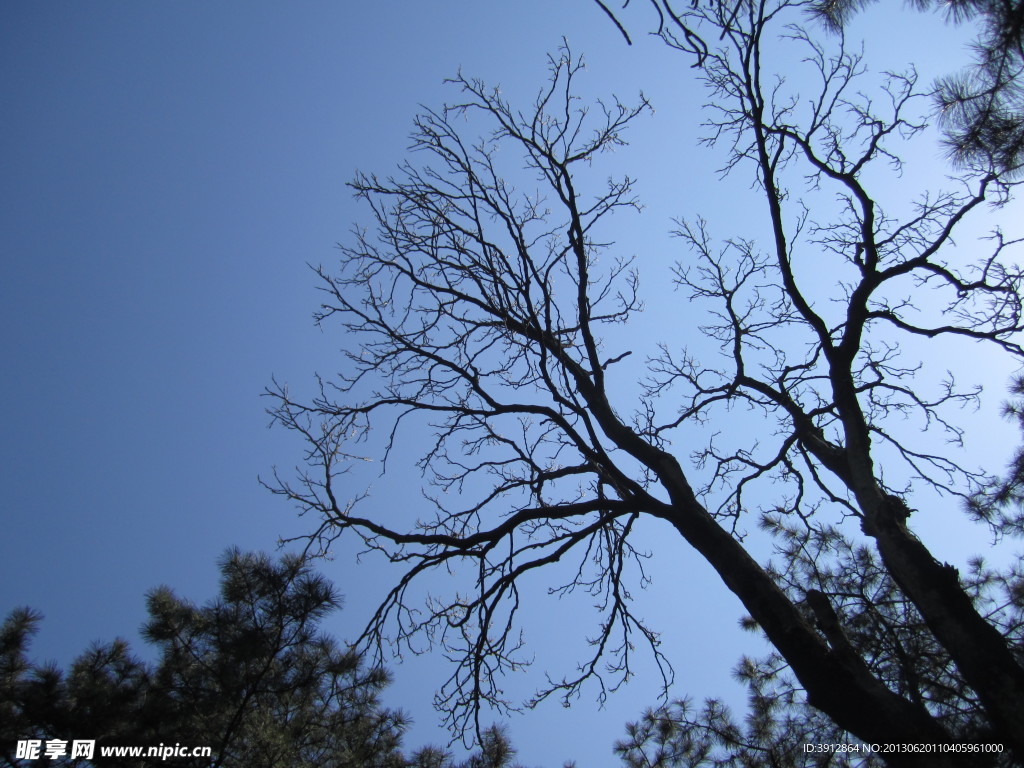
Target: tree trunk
(839, 685)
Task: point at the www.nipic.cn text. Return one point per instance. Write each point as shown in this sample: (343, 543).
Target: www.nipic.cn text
(35, 749)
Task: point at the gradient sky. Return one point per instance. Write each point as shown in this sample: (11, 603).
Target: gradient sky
(166, 173)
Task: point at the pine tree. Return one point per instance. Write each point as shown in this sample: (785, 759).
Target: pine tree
(249, 674)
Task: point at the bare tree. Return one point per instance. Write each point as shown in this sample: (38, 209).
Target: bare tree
(488, 313)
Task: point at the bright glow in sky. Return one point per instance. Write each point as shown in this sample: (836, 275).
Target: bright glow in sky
(166, 173)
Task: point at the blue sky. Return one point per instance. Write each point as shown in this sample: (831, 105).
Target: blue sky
(166, 173)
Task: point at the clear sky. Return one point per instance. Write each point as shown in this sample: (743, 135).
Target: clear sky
(167, 170)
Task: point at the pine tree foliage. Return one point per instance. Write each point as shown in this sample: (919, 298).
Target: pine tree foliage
(250, 675)
(495, 751)
(1001, 503)
(253, 667)
(771, 735)
(983, 106)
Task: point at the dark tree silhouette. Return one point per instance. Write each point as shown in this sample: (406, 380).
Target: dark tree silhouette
(249, 675)
(487, 314)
